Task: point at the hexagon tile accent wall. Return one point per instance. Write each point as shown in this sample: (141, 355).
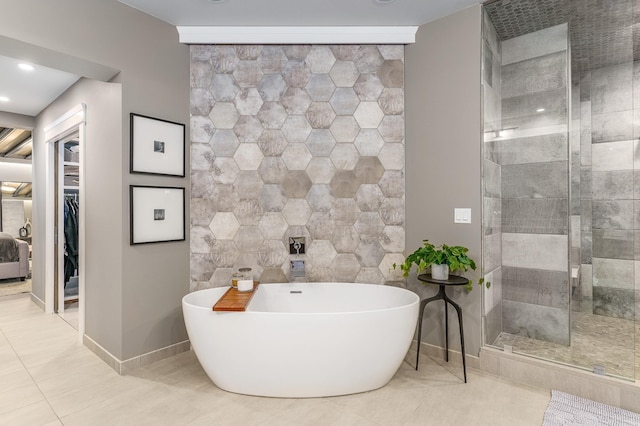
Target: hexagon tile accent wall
(297, 141)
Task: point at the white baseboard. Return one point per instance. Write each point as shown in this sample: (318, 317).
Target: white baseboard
(131, 364)
(455, 357)
(35, 299)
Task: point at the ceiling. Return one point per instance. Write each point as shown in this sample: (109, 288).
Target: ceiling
(602, 32)
(299, 12)
(26, 92)
(29, 92)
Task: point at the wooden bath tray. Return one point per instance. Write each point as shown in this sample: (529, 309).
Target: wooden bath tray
(234, 300)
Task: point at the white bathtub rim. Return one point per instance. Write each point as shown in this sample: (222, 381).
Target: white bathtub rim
(414, 295)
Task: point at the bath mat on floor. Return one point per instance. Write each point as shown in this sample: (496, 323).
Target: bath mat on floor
(567, 409)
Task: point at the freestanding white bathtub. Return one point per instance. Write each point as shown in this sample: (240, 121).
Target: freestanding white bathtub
(303, 339)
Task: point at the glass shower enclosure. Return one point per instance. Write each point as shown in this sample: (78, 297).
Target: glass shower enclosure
(560, 186)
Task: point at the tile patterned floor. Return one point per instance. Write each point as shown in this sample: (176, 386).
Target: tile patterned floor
(48, 378)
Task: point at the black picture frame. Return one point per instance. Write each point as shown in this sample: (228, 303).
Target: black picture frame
(157, 146)
(157, 214)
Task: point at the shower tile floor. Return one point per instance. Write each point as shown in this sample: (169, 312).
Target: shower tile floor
(596, 340)
(48, 378)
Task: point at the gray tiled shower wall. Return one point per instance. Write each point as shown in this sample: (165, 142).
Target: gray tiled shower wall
(297, 141)
(526, 176)
(609, 189)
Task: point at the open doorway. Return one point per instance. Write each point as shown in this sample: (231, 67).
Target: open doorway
(65, 219)
(67, 214)
(15, 211)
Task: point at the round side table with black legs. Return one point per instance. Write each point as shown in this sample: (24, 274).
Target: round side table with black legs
(453, 280)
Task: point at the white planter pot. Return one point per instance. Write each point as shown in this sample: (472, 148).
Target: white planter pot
(440, 272)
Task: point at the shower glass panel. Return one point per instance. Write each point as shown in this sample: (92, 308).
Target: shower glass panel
(561, 195)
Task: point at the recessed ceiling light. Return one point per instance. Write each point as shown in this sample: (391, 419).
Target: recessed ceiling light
(540, 110)
(26, 67)
(4, 99)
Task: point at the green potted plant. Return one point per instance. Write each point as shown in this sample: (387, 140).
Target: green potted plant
(441, 259)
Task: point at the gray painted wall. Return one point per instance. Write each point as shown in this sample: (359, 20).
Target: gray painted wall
(137, 307)
(443, 141)
(103, 265)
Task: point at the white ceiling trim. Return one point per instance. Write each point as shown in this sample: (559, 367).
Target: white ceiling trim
(297, 35)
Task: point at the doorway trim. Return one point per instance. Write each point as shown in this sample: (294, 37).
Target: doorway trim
(73, 120)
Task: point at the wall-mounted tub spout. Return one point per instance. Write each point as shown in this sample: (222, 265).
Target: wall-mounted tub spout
(297, 269)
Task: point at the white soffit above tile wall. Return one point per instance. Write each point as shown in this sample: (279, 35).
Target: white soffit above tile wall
(297, 35)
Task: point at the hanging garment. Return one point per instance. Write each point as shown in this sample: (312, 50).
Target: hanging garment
(70, 238)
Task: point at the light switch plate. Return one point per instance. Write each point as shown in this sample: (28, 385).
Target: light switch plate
(461, 215)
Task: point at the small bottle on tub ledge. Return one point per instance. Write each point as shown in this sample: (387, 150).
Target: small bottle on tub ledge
(237, 276)
(246, 283)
